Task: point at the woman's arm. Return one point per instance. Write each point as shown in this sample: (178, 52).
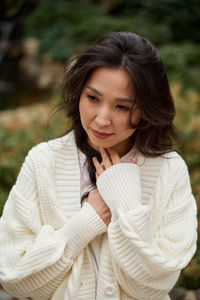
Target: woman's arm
(35, 257)
(147, 260)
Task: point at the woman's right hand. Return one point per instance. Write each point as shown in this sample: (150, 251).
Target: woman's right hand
(97, 202)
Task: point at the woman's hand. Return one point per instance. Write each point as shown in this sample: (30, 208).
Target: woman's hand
(100, 206)
(109, 157)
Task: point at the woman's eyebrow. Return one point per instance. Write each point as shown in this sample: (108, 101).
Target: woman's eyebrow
(125, 100)
(94, 90)
(119, 99)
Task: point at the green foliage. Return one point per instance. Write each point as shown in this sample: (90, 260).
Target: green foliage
(182, 17)
(64, 28)
(11, 8)
(188, 123)
(60, 26)
(182, 61)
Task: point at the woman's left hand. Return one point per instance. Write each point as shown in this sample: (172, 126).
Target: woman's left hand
(109, 157)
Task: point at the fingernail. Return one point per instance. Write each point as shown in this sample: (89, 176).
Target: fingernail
(133, 160)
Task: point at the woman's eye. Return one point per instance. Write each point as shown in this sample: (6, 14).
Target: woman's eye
(122, 107)
(92, 98)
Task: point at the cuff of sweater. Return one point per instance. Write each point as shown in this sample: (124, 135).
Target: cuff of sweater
(83, 227)
(120, 187)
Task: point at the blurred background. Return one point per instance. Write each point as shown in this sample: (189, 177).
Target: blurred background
(37, 37)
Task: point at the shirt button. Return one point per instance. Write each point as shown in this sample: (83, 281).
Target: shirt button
(109, 290)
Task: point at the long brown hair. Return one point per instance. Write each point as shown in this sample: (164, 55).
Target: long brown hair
(135, 54)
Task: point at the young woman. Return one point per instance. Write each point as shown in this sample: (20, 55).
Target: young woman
(106, 211)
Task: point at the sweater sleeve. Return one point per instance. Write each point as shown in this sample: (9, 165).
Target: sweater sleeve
(35, 257)
(147, 259)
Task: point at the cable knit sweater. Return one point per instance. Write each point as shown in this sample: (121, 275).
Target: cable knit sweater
(44, 231)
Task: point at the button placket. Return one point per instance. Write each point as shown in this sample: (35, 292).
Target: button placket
(109, 290)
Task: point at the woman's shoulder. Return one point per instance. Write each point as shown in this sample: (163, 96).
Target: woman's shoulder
(175, 160)
(44, 151)
(175, 168)
(64, 142)
(171, 165)
(172, 159)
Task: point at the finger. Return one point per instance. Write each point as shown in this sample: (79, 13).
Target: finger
(114, 156)
(105, 158)
(97, 175)
(98, 166)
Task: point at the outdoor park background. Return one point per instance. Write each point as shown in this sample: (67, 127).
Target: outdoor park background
(38, 37)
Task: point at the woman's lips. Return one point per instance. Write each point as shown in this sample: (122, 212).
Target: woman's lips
(100, 135)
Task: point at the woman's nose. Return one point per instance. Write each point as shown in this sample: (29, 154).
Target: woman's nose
(103, 118)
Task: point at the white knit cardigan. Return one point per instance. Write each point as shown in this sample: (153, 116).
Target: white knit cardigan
(44, 232)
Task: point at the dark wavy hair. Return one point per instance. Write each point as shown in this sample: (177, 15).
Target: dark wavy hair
(126, 50)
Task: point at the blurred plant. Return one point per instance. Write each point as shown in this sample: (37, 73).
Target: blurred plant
(62, 27)
(65, 28)
(181, 17)
(182, 61)
(188, 123)
(14, 9)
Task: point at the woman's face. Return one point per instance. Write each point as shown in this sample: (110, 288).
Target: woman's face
(105, 104)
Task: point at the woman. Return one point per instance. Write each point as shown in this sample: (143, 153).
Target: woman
(105, 212)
